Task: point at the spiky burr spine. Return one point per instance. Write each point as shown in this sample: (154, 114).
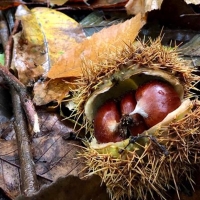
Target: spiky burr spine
(140, 175)
(144, 169)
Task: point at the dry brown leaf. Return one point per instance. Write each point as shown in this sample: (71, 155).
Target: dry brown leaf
(53, 156)
(9, 173)
(134, 7)
(36, 48)
(108, 40)
(54, 90)
(142, 6)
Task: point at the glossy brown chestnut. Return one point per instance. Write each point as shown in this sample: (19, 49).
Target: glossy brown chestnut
(155, 99)
(106, 123)
(127, 105)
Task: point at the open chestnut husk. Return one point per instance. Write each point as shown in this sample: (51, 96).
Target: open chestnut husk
(158, 158)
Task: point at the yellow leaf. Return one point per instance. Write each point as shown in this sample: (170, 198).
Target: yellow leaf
(31, 29)
(104, 42)
(45, 36)
(59, 30)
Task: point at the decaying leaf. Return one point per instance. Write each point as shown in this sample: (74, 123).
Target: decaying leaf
(28, 53)
(9, 172)
(53, 90)
(106, 41)
(143, 6)
(192, 48)
(45, 37)
(53, 155)
(60, 31)
(71, 188)
(97, 20)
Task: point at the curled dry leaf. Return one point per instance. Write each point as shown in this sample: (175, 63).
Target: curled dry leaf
(142, 6)
(53, 90)
(36, 48)
(106, 41)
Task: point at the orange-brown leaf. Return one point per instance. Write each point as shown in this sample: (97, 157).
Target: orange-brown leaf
(104, 42)
(54, 90)
(5, 4)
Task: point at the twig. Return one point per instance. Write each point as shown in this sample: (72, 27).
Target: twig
(28, 175)
(25, 99)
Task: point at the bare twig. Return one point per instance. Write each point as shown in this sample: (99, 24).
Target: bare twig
(21, 99)
(25, 99)
(28, 175)
(9, 46)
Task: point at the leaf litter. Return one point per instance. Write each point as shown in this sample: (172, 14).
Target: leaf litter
(53, 155)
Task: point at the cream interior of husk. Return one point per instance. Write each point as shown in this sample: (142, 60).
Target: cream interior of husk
(123, 81)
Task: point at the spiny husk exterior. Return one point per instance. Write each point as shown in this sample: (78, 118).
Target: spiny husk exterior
(132, 175)
(151, 55)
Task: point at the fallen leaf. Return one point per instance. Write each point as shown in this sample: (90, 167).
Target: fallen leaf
(53, 155)
(192, 48)
(142, 6)
(97, 20)
(36, 48)
(71, 188)
(60, 31)
(54, 90)
(104, 42)
(29, 57)
(9, 173)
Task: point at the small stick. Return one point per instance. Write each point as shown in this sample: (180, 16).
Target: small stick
(28, 175)
(25, 99)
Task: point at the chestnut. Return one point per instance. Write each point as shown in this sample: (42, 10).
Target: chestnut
(106, 123)
(127, 104)
(155, 99)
